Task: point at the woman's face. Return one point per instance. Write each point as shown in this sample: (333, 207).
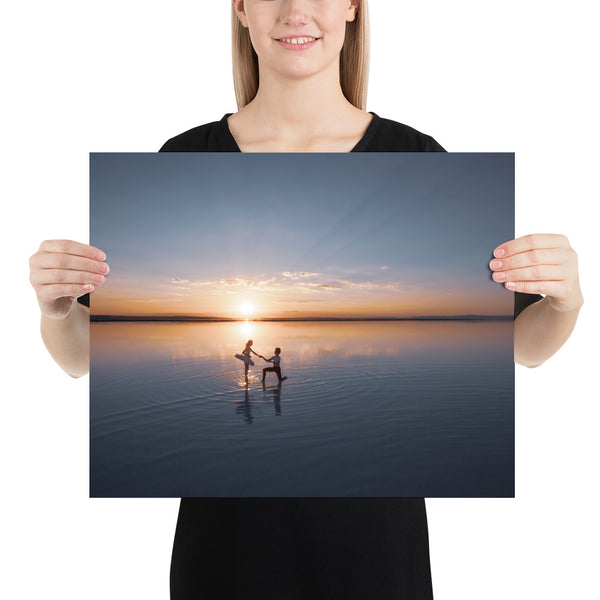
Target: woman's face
(296, 38)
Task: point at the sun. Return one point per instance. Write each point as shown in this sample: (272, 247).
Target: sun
(246, 309)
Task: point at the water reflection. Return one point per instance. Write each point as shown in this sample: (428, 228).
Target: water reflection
(246, 328)
(273, 393)
(270, 394)
(300, 341)
(371, 409)
(244, 408)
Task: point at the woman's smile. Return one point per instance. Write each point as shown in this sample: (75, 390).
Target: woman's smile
(297, 42)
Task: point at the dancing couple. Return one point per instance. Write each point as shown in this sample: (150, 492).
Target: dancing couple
(275, 360)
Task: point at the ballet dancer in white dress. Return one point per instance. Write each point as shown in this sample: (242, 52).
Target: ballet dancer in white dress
(245, 358)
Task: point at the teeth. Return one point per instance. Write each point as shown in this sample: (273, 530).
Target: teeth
(303, 40)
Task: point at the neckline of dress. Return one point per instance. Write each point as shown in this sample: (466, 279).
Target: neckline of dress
(364, 140)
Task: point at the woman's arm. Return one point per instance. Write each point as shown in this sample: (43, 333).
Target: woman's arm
(540, 331)
(541, 264)
(60, 272)
(68, 340)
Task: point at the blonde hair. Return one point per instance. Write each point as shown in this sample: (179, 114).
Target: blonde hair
(354, 60)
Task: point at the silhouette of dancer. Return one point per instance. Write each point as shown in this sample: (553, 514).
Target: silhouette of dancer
(245, 358)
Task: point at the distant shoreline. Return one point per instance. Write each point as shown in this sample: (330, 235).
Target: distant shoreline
(186, 319)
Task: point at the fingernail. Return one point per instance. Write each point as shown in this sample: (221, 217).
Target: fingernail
(496, 264)
(101, 267)
(499, 276)
(511, 285)
(88, 287)
(99, 255)
(97, 278)
(499, 252)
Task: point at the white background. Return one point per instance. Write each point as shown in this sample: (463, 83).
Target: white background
(125, 76)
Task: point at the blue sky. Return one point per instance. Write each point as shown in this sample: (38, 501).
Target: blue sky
(275, 235)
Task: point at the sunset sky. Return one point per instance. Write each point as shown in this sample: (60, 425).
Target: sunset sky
(301, 235)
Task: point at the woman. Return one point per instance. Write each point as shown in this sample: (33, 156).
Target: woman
(246, 359)
(310, 97)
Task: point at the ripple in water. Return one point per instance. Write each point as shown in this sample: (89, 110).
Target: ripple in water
(405, 421)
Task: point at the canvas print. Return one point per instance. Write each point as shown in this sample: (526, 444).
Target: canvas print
(301, 325)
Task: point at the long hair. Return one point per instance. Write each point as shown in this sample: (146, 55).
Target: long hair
(354, 60)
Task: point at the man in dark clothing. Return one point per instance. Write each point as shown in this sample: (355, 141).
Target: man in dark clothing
(276, 360)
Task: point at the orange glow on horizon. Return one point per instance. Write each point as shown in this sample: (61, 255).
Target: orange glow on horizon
(294, 303)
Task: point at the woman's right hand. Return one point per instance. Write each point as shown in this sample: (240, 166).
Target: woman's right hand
(61, 271)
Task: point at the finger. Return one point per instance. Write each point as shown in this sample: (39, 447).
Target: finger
(552, 256)
(536, 273)
(60, 276)
(545, 288)
(71, 247)
(53, 260)
(49, 293)
(531, 242)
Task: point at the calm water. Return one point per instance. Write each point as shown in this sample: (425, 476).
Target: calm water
(369, 409)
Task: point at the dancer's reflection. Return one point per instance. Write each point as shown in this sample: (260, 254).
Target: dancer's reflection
(275, 392)
(244, 408)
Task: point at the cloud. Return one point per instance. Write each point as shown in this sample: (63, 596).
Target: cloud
(302, 281)
(300, 275)
(384, 268)
(338, 284)
(235, 282)
(249, 283)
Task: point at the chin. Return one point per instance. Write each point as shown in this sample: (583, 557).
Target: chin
(303, 69)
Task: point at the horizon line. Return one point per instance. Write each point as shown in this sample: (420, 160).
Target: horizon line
(193, 319)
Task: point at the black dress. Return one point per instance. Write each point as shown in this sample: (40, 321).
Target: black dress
(305, 548)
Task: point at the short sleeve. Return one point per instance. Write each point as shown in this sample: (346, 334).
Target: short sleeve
(522, 301)
(167, 146)
(431, 145)
(85, 300)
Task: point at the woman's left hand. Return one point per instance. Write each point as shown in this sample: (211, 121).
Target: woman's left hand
(541, 263)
